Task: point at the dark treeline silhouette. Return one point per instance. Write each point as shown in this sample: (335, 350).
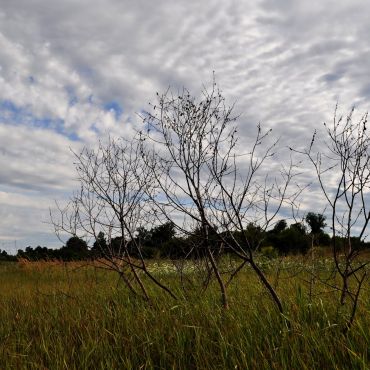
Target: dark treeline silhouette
(74, 250)
(162, 242)
(4, 256)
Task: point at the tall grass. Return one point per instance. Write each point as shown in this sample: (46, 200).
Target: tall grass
(65, 316)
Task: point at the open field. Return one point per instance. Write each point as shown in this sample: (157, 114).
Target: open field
(67, 316)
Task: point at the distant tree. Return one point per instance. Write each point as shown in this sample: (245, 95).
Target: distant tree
(293, 240)
(286, 240)
(144, 236)
(316, 221)
(4, 256)
(300, 227)
(279, 226)
(178, 248)
(77, 244)
(75, 249)
(20, 253)
(154, 240)
(163, 233)
(99, 245)
(255, 235)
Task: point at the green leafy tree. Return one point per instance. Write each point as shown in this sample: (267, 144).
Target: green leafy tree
(75, 249)
(316, 222)
(279, 226)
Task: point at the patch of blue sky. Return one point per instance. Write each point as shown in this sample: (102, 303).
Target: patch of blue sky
(12, 114)
(56, 125)
(115, 107)
(94, 128)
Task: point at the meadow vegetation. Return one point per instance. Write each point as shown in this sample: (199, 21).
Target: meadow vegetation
(72, 315)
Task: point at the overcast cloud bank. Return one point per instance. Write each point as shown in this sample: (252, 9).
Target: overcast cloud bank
(73, 71)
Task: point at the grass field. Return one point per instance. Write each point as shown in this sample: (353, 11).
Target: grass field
(67, 316)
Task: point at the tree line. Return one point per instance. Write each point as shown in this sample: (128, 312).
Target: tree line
(163, 242)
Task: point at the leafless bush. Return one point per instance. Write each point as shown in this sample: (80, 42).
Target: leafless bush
(343, 170)
(114, 199)
(207, 182)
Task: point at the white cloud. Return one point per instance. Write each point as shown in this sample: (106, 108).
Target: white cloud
(61, 63)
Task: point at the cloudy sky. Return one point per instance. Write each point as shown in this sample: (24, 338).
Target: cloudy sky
(72, 71)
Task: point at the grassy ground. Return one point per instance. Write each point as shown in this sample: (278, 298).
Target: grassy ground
(55, 316)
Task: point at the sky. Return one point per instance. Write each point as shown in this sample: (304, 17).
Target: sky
(74, 71)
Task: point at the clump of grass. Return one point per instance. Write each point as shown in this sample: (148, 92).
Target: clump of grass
(63, 317)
